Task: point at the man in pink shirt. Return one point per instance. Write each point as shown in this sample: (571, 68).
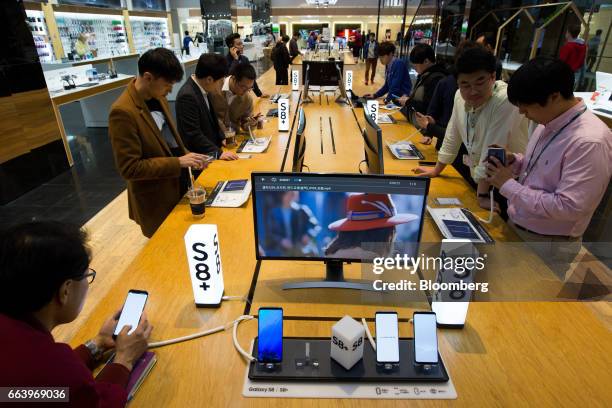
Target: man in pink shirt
(555, 187)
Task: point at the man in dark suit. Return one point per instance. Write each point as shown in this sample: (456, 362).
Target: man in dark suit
(195, 113)
(236, 56)
(148, 150)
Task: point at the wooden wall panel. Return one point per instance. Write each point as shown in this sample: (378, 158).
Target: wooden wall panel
(27, 122)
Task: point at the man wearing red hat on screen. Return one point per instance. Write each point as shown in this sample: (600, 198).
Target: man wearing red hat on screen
(370, 218)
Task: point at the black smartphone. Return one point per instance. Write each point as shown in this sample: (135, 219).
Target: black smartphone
(425, 338)
(387, 337)
(499, 153)
(270, 335)
(132, 310)
(427, 163)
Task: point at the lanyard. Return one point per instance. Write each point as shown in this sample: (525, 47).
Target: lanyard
(531, 166)
(469, 144)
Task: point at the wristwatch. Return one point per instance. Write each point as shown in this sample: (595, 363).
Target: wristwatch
(96, 352)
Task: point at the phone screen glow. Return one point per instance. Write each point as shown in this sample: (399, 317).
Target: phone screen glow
(387, 341)
(270, 335)
(425, 338)
(132, 310)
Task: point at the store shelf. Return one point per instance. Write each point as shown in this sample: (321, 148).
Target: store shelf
(149, 32)
(40, 34)
(107, 32)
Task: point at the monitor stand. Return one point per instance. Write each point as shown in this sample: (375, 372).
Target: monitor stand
(334, 278)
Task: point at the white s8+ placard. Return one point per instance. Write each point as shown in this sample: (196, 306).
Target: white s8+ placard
(295, 80)
(204, 259)
(349, 80)
(283, 115)
(372, 107)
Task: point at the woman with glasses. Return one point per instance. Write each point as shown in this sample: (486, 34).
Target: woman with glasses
(44, 279)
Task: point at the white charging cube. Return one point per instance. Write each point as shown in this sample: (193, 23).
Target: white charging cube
(347, 342)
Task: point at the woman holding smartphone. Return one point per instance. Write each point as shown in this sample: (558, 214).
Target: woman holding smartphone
(44, 278)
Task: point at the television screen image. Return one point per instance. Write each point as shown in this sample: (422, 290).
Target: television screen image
(340, 225)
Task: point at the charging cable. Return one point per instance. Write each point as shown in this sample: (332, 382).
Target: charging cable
(491, 207)
(240, 350)
(367, 330)
(189, 337)
(204, 333)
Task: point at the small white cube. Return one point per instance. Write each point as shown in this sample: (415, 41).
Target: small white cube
(347, 342)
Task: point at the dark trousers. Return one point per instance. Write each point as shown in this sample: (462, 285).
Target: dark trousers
(591, 58)
(282, 76)
(370, 63)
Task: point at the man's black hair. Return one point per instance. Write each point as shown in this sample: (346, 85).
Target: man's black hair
(285, 38)
(598, 32)
(539, 78)
(421, 52)
(213, 65)
(475, 59)
(242, 71)
(186, 32)
(36, 258)
(229, 40)
(161, 62)
(386, 48)
(574, 30)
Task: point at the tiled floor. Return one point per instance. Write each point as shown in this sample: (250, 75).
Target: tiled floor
(79, 193)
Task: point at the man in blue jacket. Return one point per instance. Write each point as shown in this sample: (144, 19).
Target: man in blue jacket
(370, 54)
(397, 77)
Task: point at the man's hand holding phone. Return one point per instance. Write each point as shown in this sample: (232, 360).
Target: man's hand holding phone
(235, 52)
(129, 347)
(195, 160)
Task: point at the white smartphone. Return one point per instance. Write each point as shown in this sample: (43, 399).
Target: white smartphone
(387, 337)
(132, 310)
(425, 338)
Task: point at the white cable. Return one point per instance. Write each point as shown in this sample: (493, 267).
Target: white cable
(189, 337)
(491, 205)
(233, 298)
(236, 322)
(367, 330)
(193, 336)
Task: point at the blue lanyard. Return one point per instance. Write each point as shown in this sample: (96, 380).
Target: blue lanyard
(531, 166)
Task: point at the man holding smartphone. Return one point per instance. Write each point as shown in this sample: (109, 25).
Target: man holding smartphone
(555, 187)
(397, 76)
(236, 56)
(195, 111)
(481, 116)
(148, 150)
(44, 282)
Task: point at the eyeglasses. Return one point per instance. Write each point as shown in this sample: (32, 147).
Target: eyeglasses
(244, 87)
(90, 275)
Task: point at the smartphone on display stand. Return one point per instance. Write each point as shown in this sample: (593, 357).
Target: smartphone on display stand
(270, 335)
(387, 338)
(497, 152)
(425, 338)
(132, 310)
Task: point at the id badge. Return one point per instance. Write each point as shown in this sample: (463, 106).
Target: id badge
(467, 160)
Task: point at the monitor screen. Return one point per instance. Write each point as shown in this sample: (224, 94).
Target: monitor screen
(372, 144)
(300, 143)
(322, 73)
(345, 217)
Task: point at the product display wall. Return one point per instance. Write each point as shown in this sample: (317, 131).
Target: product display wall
(106, 32)
(149, 32)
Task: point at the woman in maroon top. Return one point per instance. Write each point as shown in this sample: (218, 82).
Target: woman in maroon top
(44, 278)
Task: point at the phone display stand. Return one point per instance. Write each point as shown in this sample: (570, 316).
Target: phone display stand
(308, 359)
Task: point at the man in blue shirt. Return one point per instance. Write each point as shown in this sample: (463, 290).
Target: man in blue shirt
(186, 41)
(397, 76)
